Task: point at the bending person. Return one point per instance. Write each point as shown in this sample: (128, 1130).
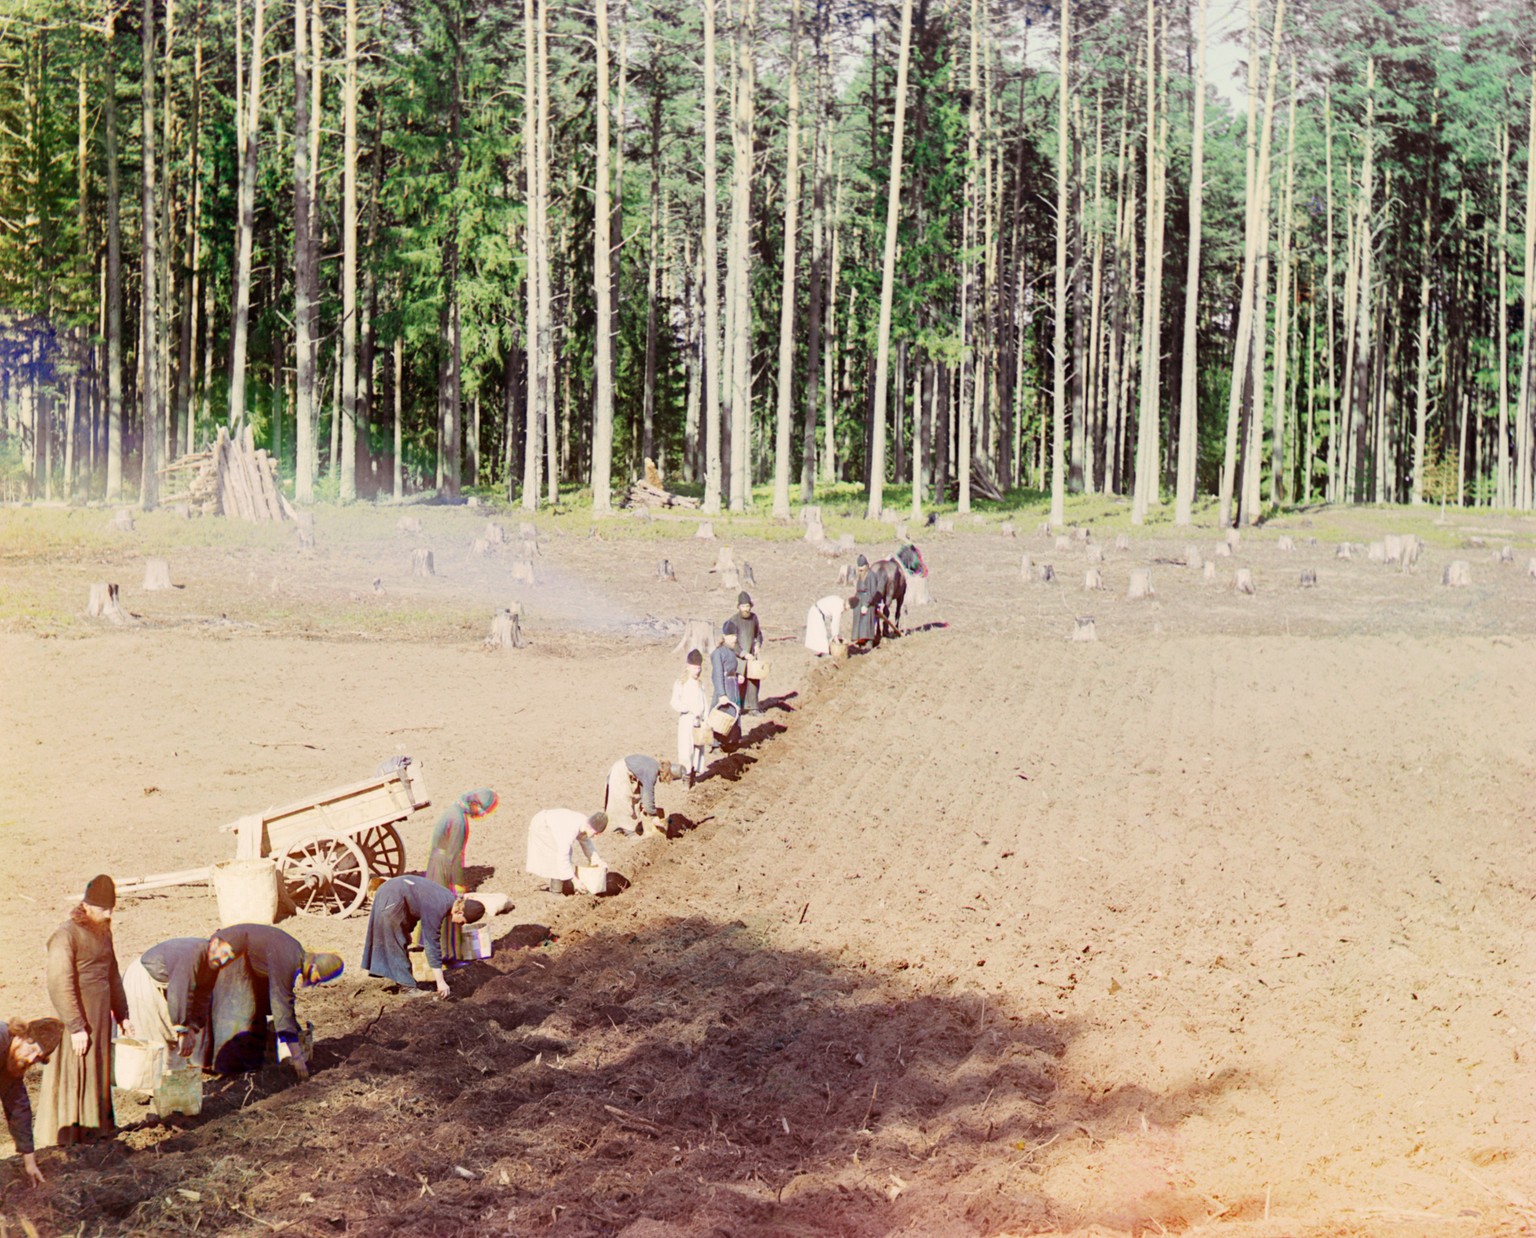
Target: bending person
(399, 905)
(632, 785)
(450, 838)
(259, 981)
(554, 836)
(169, 988)
(22, 1046)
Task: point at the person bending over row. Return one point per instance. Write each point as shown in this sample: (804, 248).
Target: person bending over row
(399, 905)
(632, 786)
(554, 836)
(22, 1046)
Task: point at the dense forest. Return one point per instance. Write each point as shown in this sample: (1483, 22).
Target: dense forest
(964, 246)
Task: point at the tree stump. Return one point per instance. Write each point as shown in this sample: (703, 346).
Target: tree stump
(847, 574)
(846, 544)
(889, 515)
(1287, 545)
(104, 603)
(1244, 582)
(1083, 629)
(528, 531)
(1192, 557)
(183, 511)
(1122, 541)
(480, 546)
(1309, 578)
(918, 592)
(1082, 534)
(421, 562)
(122, 520)
(945, 525)
(814, 532)
(306, 537)
(1457, 574)
(901, 532)
(724, 561)
(1095, 553)
(1026, 568)
(1392, 546)
(705, 531)
(1141, 584)
(1233, 538)
(664, 571)
(408, 524)
(157, 575)
(697, 634)
(747, 576)
(522, 571)
(378, 584)
(1345, 551)
(730, 580)
(1223, 550)
(1530, 569)
(1093, 579)
(1063, 542)
(1412, 548)
(1007, 529)
(1507, 555)
(1047, 574)
(506, 631)
(1376, 552)
(810, 514)
(494, 533)
(1208, 572)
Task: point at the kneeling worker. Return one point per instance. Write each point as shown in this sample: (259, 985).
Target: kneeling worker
(632, 785)
(399, 905)
(553, 837)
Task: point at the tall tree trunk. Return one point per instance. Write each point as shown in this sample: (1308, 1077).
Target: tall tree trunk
(1421, 386)
(1329, 366)
(888, 275)
(1502, 489)
(304, 259)
(970, 332)
(1146, 481)
(114, 296)
(711, 262)
(534, 245)
(546, 345)
(248, 127)
(349, 320)
(817, 277)
(1523, 426)
(602, 256)
(786, 391)
(742, 121)
(398, 467)
(1278, 488)
(1189, 387)
(1363, 359)
(1059, 344)
(149, 478)
(652, 278)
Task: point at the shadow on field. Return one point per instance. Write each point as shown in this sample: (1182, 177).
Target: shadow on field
(685, 1072)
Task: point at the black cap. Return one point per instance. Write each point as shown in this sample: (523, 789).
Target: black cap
(743, 598)
(728, 628)
(861, 561)
(695, 658)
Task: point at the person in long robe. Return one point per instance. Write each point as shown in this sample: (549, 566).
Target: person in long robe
(749, 643)
(86, 988)
(689, 701)
(725, 681)
(865, 605)
(257, 982)
(22, 1046)
(554, 836)
(399, 905)
(632, 785)
(822, 622)
(169, 988)
(450, 838)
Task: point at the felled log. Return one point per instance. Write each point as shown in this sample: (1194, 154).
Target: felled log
(421, 562)
(664, 571)
(157, 575)
(506, 631)
(1457, 574)
(1141, 584)
(983, 485)
(1092, 579)
(697, 634)
(1083, 629)
(1244, 582)
(646, 493)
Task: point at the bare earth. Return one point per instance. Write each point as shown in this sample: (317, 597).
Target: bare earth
(1221, 924)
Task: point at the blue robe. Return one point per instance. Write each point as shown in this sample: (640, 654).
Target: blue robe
(399, 905)
(258, 982)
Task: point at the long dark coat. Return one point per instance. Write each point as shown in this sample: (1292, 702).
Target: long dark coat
(87, 991)
(256, 983)
(399, 905)
(13, 1096)
(866, 609)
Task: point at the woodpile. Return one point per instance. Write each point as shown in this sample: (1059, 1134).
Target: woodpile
(983, 485)
(232, 478)
(648, 492)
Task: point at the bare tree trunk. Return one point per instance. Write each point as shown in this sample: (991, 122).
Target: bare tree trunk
(546, 339)
(1502, 490)
(1278, 482)
(114, 298)
(1146, 481)
(787, 288)
(830, 393)
(1523, 427)
(1363, 359)
(304, 257)
(534, 247)
(652, 279)
(888, 276)
(741, 224)
(602, 279)
(149, 478)
(813, 310)
(1189, 388)
(1063, 183)
(349, 317)
(711, 262)
(248, 126)
(1421, 388)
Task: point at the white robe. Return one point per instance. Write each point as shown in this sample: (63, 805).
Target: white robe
(822, 622)
(689, 701)
(553, 836)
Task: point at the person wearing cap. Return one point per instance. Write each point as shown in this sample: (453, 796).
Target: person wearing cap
(169, 987)
(749, 642)
(865, 605)
(725, 676)
(22, 1046)
(632, 785)
(823, 621)
(258, 982)
(554, 835)
(450, 838)
(86, 988)
(691, 706)
(399, 905)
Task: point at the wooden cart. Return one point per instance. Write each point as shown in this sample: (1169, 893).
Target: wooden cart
(327, 847)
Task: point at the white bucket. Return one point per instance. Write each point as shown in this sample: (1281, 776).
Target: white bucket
(136, 1064)
(592, 879)
(246, 890)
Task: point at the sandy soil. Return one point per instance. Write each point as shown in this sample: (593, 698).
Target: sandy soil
(1222, 923)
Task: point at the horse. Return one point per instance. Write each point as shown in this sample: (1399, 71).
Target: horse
(890, 577)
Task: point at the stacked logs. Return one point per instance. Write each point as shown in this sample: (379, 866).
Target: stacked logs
(232, 478)
(648, 492)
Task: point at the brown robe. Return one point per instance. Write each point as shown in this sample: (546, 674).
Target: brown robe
(75, 1102)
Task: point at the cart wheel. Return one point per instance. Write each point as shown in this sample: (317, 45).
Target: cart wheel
(325, 876)
(384, 850)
